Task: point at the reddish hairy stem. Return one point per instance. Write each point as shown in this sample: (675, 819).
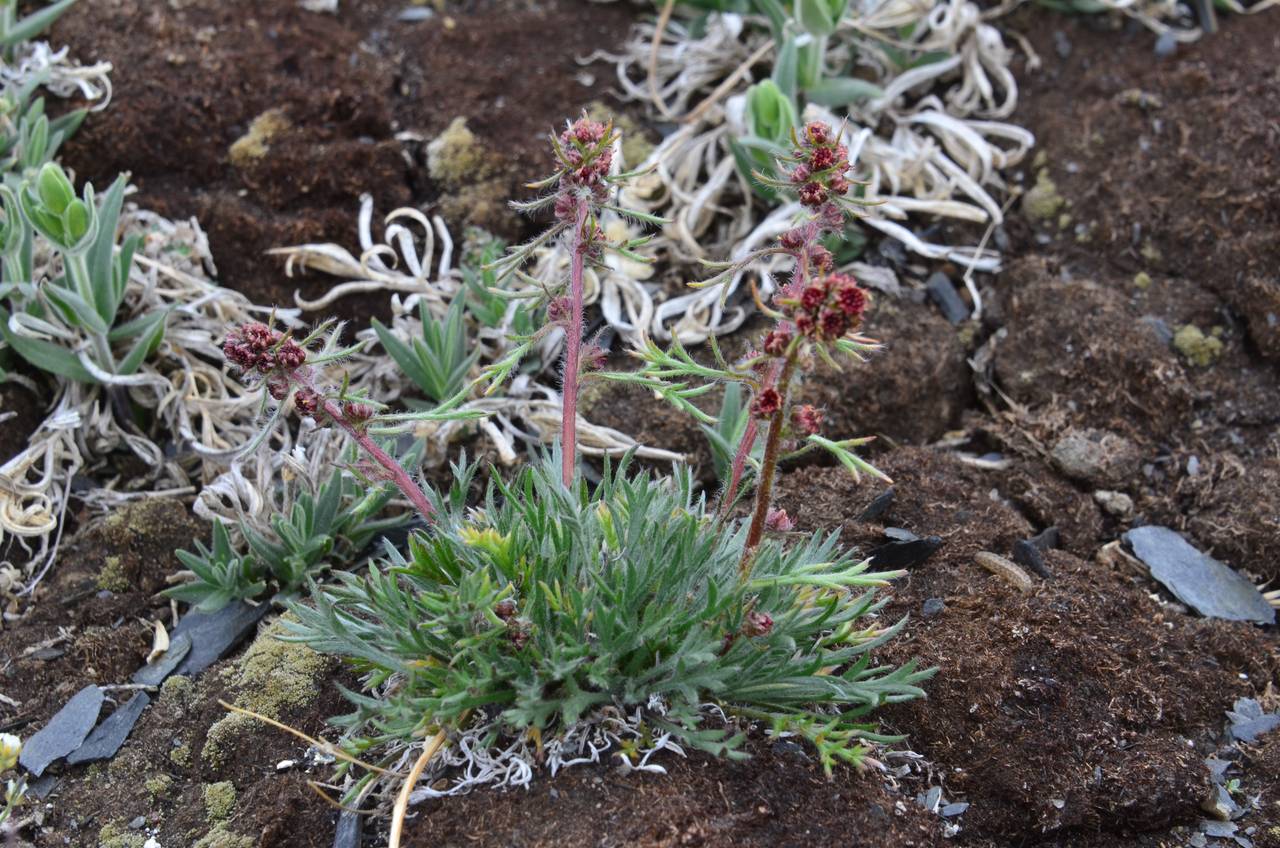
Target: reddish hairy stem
(573, 350)
(768, 465)
(739, 464)
(745, 445)
(395, 471)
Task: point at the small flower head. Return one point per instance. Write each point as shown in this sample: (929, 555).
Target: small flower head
(777, 341)
(357, 413)
(832, 323)
(307, 402)
(594, 357)
(777, 521)
(757, 624)
(505, 610)
(290, 355)
(821, 259)
(821, 165)
(813, 296)
(813, 193)
(807, 419)
(767, 403)
(791, 240)
(559, 310)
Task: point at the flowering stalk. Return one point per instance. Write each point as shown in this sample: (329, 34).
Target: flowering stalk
(288, 371)
(584, 154)
(573, 347)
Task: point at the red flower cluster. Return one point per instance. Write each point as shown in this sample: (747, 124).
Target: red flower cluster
(587, 166)
(807, 419)
(767, 403)
(258, 348)
(828, 307)
(823, 162)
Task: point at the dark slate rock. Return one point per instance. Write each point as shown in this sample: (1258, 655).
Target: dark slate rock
(932, 607)
(213, 635)
(107, 737)
(64, 732)
(1027, 555)
(153, 674)
(1047, 539)
(1248, 721)
(899, 534)
(879, 506)
(944, 295)
(41, 788)
(905, 554)
(349, 830)
(1196, 579)
(788, 748)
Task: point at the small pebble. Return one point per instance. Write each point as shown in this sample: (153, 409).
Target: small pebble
(138, 823)
(1026, 554)
(954, 809)
(1047, 539)
(878, 506)
(944, 295)
(1061, 44)
(932, 607)
(1166, 44)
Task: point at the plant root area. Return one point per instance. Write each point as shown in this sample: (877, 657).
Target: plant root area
(1078, 712)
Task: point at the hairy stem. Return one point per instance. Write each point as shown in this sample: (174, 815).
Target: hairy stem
(745, 446)
(395, 471)
(573, 350)
(768, 466)
(404, 482)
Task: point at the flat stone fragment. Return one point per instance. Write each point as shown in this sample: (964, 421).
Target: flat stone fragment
(901, 554)
(1248, 721)
(954, 809)
(1026, 554)
(155, 673)
(213, 635)
(1196, 579)
(107, 737)
(878, 506)
(944, 295)
(348, 835)
(64, 732)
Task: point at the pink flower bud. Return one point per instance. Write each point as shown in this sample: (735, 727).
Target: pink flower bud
(278, 387)
(357, 413)
(816, 132)
(791, 240)
(776, 341)
(813, 194)
(757, 624)
(777, 521)
(767, 403)
(306, 401)
(820, 258)
(290, 355)
(807, 419)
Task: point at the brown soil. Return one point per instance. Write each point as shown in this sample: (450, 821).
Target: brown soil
(15, 431)
(191, 77)
(1075, 714)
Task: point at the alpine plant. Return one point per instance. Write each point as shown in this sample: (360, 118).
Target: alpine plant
(556, 618)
